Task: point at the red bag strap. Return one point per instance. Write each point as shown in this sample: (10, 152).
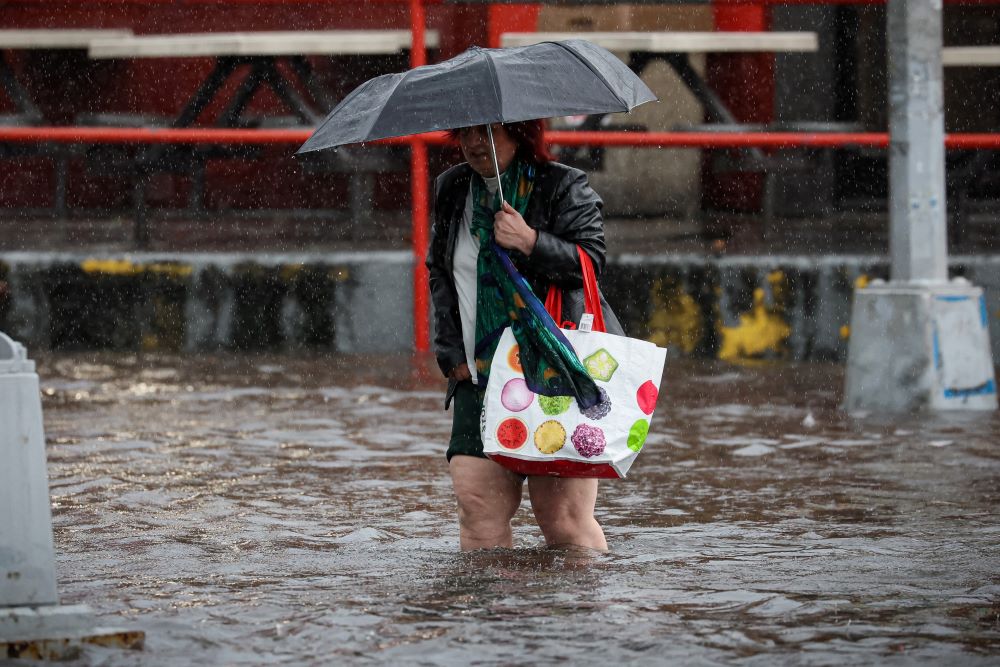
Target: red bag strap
(553, 304)
(591, 297)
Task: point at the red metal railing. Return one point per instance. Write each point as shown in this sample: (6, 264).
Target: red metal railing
(717, 140)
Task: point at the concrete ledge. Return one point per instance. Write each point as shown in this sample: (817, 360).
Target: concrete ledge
(57, 632)
(729, 307)
(348, 302)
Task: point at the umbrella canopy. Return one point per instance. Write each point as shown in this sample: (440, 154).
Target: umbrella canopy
(483, 86)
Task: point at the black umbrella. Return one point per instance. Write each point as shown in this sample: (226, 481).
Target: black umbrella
(484, 86)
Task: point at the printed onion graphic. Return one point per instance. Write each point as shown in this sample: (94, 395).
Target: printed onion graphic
(515, 395)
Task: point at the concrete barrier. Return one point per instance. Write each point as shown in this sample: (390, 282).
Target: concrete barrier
(739, 307)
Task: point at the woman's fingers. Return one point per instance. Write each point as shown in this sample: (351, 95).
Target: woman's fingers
(512, 232)
(461, 372)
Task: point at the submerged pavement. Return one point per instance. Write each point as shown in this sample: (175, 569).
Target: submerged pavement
(249, 510)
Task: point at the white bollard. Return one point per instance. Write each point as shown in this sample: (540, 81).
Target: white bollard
(920, 347)
(32, 622)
(27, 559)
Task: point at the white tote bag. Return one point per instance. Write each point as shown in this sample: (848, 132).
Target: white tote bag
(540, 435)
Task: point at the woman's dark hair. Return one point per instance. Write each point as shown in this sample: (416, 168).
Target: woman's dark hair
(529, 135)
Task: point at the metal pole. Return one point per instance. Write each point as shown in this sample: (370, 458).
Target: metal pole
(420, 193)
(917, 218)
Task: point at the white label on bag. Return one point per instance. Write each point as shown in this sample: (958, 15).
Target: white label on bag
(586, 322)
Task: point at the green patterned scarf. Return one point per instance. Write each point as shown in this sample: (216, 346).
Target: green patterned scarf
(504, 298)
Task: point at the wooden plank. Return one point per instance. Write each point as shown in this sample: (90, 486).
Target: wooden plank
(287, 43)
(678, 42)
(970, 56)
(56, 39)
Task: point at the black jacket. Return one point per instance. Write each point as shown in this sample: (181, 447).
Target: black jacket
(564, 210)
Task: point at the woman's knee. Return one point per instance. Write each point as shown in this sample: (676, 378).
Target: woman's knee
(485, 497)
(561, 518)
(564, 507)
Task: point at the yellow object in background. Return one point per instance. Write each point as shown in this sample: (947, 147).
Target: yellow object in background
(676, 318)
(762, 329)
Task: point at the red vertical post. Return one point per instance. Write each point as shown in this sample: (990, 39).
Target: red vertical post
(420, 194)
(745, 84)
(509, 18)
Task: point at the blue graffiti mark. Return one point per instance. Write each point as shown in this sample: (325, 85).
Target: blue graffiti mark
(953, 299)
(985, 389)
(983, 315)
(937, 350)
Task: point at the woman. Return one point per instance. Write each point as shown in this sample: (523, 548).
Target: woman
(559, 211)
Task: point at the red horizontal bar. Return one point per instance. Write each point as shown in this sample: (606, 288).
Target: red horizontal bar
(720, 139)
(109, 135)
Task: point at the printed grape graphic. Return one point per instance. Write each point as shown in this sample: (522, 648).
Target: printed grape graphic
(588, 440)
(601, 409)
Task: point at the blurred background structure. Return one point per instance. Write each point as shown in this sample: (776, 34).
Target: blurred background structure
(150, 199)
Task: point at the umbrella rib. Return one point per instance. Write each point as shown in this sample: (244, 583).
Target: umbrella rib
(381, 111)
(596, 73)
(493, 82)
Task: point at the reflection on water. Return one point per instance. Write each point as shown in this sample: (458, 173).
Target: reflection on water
(246, 510)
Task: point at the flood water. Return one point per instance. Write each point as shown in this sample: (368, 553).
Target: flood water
(246, 510)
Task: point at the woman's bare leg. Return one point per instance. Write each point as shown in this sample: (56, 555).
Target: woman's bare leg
(564, 509)
(488, 496)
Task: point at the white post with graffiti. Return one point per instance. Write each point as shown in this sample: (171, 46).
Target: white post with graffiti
(919, 341)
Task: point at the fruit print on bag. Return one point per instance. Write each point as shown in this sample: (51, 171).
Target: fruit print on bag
(601, 365)
(514, 358)
(637, 434)
(550, 437)
(646, 395)
(554, 405)
(601, 410)
(516, 396)
(588, 440)
(512, 433)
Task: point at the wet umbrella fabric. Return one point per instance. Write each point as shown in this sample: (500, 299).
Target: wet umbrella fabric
(483, 86)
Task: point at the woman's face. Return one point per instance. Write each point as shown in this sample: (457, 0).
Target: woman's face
(475, 143)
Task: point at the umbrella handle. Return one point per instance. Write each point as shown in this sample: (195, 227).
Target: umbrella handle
(496, 165)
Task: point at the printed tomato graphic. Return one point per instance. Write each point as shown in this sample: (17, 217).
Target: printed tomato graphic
(646, 397)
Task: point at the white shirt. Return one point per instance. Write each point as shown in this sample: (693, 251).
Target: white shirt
(463, 271)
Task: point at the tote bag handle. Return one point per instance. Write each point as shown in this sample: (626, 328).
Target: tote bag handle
(591, 297)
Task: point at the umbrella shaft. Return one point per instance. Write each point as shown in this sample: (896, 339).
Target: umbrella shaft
(496, 165)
